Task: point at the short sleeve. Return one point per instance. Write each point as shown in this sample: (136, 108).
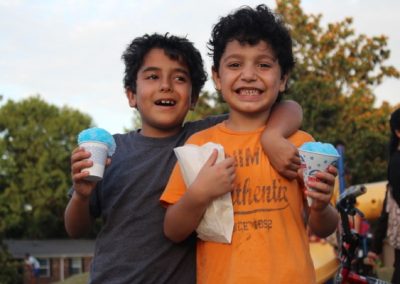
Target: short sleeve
(175, 188)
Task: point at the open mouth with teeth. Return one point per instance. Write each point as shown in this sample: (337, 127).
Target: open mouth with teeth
(248, 92)
(165, 102)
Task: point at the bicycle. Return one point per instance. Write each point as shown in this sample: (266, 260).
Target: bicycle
(351, 243)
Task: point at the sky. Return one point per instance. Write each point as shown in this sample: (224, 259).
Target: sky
(69, 52)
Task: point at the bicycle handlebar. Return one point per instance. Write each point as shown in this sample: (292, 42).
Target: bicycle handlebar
(352, 193)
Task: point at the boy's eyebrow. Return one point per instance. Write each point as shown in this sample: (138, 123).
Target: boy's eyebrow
(272, 57)
(150, 68)
(239, 56)
(154, 68)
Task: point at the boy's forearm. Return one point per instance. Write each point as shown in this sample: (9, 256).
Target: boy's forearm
(183, 217)
(77, 218)
(323, 223)
(285, 119)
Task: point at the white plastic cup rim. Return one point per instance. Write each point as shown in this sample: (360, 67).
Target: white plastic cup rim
(93, 141)
(319, 153)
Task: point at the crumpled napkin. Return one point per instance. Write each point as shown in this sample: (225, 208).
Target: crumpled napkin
(217, 223)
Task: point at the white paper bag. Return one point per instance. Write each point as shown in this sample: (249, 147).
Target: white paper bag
(217, 222)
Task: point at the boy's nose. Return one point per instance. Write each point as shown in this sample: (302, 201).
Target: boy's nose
(248, 74)
(165, 86)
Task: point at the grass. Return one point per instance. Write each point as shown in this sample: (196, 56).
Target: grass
(385, 273)
(76, 279)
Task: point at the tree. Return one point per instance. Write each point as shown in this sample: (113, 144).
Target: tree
(208, 104)
(334, 78)
(9, 268)
(336, 72)
(36, 140)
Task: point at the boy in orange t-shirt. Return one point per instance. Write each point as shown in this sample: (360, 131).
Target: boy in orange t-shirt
(252, 58)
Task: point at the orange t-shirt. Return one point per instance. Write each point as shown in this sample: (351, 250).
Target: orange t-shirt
(269, 242)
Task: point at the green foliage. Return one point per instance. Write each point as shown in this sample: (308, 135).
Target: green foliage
(334, 78)
(36, 140)
(208, 104)
(9, 267)
(136, 121)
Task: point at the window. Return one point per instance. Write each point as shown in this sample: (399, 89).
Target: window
(44, 267)
(75, 266)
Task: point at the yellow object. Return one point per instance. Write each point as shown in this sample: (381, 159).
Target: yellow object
(371, 202)
(325, 260)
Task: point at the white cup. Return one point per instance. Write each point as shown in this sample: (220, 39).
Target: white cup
(99, 153)
(311, 163)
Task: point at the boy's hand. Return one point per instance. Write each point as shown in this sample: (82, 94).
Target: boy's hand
(214, 179)
(79, 161)
(322, 189)
(283, 156)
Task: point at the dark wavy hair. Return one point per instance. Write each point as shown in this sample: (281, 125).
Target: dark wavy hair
(394, 125)
(250, 26)
(176, 48)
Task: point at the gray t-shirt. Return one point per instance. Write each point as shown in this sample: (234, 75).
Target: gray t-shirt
(131, 247)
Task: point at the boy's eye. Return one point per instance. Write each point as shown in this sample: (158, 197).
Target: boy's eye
(264, 65)
(152, 77)
(180, 78)
(234, 65)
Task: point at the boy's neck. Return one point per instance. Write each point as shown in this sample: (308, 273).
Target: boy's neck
(245, 122)
(159, 133)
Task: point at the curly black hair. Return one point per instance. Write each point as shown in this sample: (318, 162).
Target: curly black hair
(176, 48)
(250, 26)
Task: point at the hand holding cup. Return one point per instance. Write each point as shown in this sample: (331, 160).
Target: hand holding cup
(316, 157)
(101, 144)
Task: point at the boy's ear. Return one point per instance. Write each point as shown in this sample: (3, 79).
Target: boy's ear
(131, 97)
(216, 79)
(282, 85)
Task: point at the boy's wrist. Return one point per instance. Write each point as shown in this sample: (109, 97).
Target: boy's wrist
(198, 197)
(321, 211)
(79, 197)
(273, 133)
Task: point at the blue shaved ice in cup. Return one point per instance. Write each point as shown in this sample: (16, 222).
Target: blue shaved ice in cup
(316, 157)
(101, 144)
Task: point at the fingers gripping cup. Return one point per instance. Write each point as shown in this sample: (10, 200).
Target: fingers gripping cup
(101, 145)
(316, 157)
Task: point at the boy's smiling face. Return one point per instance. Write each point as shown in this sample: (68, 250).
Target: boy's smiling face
(249, 78)
(163, 94)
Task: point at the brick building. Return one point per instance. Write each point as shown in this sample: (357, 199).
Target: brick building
(58, 259)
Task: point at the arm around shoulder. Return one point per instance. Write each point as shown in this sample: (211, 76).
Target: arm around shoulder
(284, 121)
